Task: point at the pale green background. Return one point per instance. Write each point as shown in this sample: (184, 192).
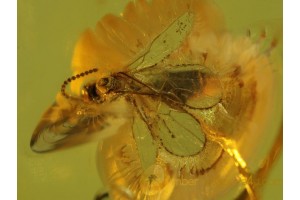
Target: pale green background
(47, 32)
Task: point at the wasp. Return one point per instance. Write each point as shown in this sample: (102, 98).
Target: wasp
(190, 96)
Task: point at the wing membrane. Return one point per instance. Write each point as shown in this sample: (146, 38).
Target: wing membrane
(165, 43)
(146, 147)
(177, 131)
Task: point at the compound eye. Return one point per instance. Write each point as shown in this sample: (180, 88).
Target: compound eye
(89, 92)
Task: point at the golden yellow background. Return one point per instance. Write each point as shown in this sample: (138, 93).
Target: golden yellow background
(47, 32)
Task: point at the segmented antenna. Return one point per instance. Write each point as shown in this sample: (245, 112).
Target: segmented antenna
(73, 78)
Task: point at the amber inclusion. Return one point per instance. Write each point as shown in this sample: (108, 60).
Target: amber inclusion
(193, 103)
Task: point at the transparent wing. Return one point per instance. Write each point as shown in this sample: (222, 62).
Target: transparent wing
(66, 123)
(178, 132)
(189, 85)
(146, 147)
(165, 43)
(178, 135)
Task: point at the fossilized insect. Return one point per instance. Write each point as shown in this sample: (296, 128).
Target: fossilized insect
(194, 103)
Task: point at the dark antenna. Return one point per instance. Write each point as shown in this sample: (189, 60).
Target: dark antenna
(73, 78)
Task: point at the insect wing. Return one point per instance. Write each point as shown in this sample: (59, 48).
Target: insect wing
(165, 43)
(145, 143)
(177, 131)
(180, 133)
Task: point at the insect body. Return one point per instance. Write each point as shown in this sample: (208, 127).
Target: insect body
(187, 91)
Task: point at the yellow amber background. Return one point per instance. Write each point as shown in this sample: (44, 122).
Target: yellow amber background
(47, 33)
